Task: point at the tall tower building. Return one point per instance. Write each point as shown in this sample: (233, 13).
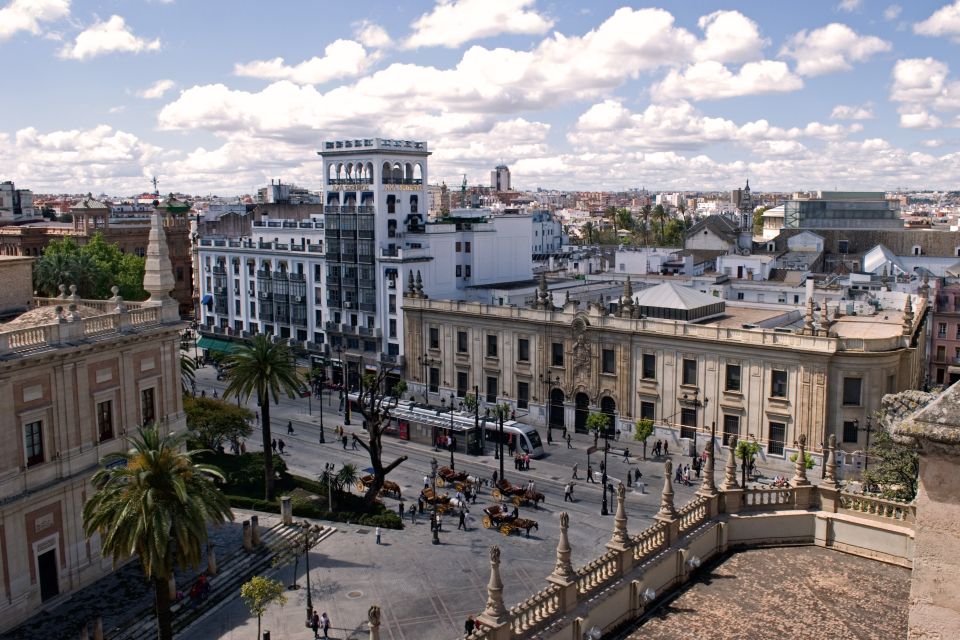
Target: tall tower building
(500, 178)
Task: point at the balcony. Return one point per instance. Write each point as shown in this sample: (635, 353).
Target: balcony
(416, 181)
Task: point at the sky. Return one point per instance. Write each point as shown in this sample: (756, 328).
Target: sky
(217, 97)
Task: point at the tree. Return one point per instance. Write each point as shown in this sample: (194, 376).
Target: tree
(154, 502)
(258, 593)
(346, 477)
(758, 220)
(588, 228)
(643, 429)
(893, 468)
(675, 232)
(660, 214)
(807, 459)
(290, 550)
(597, 422)
(375, 404)
(470, 402)
(188, 372)
(747, 451)
(645, 213)
(214, 422)
(624, 219)
(263, 368)
(94, 268)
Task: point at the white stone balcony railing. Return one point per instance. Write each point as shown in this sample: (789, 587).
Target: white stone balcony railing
(534, 612)
(693, 514)
(650, 542)
(880, 508)
(106, 306)
(598, 572)
(764, 499)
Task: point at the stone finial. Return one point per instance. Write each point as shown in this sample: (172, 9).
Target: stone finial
(158, 272)
(73, 312)
(800, 468)
(925, 287)
(626, 300)
(808, 319)
(495, 610)
(667, 511)
(62, 288)
(709, 485)
(59, 311)
(542, 297)
(620, 537)
(373, 620)
(73, 293)
(908, 316)
(419, 286)
(411, 289)
(830, 463)
(730, 470)
(563, 571)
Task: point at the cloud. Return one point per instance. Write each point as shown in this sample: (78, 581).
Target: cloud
(341, 59)
(832, 48)
(453, 22)
(27, 15)
(921, 86)
(712, 80)
(372, 35)
(112, 36)
(729, 37)
(156, 90)
(945, 21)
(852, 112)
(849, 6)
(892, 12)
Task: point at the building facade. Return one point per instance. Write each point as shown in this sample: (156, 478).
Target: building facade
(500, 178)
(16, 205)
(945, 335)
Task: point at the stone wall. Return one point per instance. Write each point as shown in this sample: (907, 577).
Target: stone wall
(17, 275)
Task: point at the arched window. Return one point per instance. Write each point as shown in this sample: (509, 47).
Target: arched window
(331, 173)
(408, 173)
(414, 202)
(391, 204)
(397, 173)
(385, 173)
(418, 174)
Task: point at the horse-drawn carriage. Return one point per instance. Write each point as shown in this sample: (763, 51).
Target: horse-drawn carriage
(514, 493)
(389, 487)
(497, 517)
(459, 480)
(442, 502)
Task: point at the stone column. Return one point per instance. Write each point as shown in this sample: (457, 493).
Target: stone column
(829, 489)
(799, 482)
(708, 488)
(563, 574)
(620, 538)
(667, 513)
(211, 559)
(373, 620)
(286, 510)
(495, 615)
(732, 493)
(247, 540)
(255, 530)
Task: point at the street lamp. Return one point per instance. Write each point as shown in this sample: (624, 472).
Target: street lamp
(548, 385)
(436, 519)
(323, 381)
(866, 450)
(604, 511)
(450, 444)
(502, 411)
(426, 362)
(310, 533)
(344, 406)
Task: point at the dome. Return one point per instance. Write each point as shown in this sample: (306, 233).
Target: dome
(45, 315)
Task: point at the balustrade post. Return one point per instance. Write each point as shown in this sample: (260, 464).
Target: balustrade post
(708, 488)
(255, 530)
(732, 495)
(829, 489)
(620, 541)
(563, 574)
(667, 513)
(495, 615)
(247, 541)
(373, 621)
(799, 482)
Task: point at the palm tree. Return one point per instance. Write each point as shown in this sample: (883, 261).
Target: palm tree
(661, 215)
(263, 368)
(588, 228)
(645, 212)
(154, 502)
(52, 270)
(188, 375)
(624, 219)
(347, 476)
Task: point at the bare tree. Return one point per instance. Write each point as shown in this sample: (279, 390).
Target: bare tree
(375, 403)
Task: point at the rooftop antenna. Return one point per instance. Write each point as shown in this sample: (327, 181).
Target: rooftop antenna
(156, 191)
(463, 192)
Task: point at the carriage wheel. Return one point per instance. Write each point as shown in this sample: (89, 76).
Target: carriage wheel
(496, 494)
(487, 523)
(440, 481)
(517, 501)
(506, 529)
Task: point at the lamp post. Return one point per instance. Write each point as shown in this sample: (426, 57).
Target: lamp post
(604, 511)
(436, 520)
(308, 531)
(450, 445)
(548, 385)
(344, 396)
(476, 418)
(502, 411)
(866, 450)
(323, 381)
(426, 362)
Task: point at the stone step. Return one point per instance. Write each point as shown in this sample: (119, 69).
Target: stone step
(233, 570)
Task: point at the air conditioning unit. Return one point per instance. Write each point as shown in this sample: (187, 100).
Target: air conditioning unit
(298, 298)
(348, 305)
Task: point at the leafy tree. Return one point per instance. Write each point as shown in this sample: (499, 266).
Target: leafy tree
(624, 219)
(588, 229)
(94, 268)
(597, 423)
(154, 502)
(188, 372)
(675, 233)
(292, 549)
(893, 468)
(346, 477)
(470, 402)
(258, 593)
(747, 451)
(807, 458)
(265, 369)
(375, 403)
(214, 422)
(758, 220)
(643, 429)
(661, 216)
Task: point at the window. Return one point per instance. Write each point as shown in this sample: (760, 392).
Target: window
(147, 409)
(105, 420)
(459, 271)
(649, 366)
(33, 435)
(523, 395)
(851, 391)
(434, 380)
(466, 247)
(556, 354)
(942, 330)
(941, 353)
(523, 350)
(688, 423)
(844, 246)
(892, 383)
(608, 361)
(731, 427)
(492, 390)
(466, 271)
(776, 437)
(778, 384)
(393, 327)
(434, 338)
(491, 346)
(461, 384)
(850, 431)
(733, 377)
(458, 247)
(392, 303)
(689, 371)
(647, 411)
(461, 341)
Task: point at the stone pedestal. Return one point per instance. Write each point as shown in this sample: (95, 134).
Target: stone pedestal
(247, 536)
(286, 510)
(255, 530)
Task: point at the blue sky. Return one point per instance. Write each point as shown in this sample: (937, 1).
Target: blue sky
(217, 97)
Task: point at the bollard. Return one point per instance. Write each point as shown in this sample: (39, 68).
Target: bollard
(286, 510)
(247, 540)
(98, 629)
(255, 530)
(211, 559)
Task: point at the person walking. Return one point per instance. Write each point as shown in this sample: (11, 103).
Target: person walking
(494, 477)
(273, 445)
(413, 514)
(589, 473)
(575, 468)
(353, 443)
(400, 510)
(626, 455)
(315, 625)
(666, 447)
(378, 535)
(289, 427)
(243, 447)
(568, 438)
(568, 492)
(549, 436)
(344, 441)
(281, 445)
(462, 524)
(325, 624)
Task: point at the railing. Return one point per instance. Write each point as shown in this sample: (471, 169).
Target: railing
(649, 542)
(693, 514)
(879, 507)
(99, 325)
(528, 616)
(28, 337)
(145, 315)
(757, 499)
(107, 306)
(595, 574)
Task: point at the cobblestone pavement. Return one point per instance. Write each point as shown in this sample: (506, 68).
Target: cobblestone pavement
(788, 592)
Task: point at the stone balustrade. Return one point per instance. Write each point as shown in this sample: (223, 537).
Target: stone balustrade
(598, 572)
(879, 507)
(534, 612)
(649, 542)
(693, 514)
(764, 498)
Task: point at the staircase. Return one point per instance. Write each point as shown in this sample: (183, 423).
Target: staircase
(233, 570)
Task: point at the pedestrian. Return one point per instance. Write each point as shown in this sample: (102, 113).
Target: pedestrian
(637, 475)
(626, 455)
(281, 445)
(315, 625)
(568, 492)
(549, 436)
(289, 427)
(575, 468)
(273, 445)
(462, 524)
(666, 447)
(468, 627)
(568, 438)
(203, 393)
(378, 535)
(353, 443)
(589, 473)
(325, 624)
(426, 481)
(494, 477)
(413, 514)
(215, 393)
(344, 441)
(526, 461)
(400, 509)
(243, 447)
(678, 476)
(565, 433)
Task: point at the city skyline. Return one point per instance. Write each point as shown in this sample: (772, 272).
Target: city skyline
(850, 94)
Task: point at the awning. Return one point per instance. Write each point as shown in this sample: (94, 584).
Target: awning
(206, 299)
(213, 344)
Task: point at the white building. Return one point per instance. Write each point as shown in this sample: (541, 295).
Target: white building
(547, 233)
(16, 205)
(645, 260)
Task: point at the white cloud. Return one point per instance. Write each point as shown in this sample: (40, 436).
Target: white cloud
(831, 48)
(453, 22)
(892, 12)
(372, 35)
(156, 90)
(852, 112)
(849, 6)
(922, 87)
(712, 80)
(112, 36)
(341, 59)
(945, 21)
(27, 15)
(729, 36)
